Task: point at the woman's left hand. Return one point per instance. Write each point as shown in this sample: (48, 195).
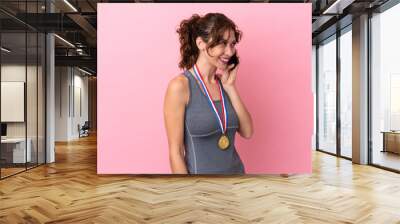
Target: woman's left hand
(228, 77)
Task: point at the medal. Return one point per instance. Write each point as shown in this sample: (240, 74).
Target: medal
(223, 141)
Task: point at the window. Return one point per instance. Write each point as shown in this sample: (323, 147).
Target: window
(327, 95)
(385, 88)
(346, 75)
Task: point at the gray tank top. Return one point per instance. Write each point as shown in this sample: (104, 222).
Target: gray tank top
(202, 131)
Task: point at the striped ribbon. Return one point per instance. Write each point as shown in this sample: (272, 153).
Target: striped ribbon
(222, 125)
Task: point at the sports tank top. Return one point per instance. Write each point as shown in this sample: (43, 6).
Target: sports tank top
(202, 131)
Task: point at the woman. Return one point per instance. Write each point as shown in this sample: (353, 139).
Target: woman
(202, 109)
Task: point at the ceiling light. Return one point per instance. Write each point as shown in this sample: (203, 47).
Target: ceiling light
(331, 7)
(337, 7)
(64, 40)
(86, 72)
(5, 50)
(70, 5)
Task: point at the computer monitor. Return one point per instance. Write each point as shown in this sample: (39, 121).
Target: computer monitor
(3, 129)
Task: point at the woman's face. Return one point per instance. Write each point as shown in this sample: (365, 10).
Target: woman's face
(220, 54)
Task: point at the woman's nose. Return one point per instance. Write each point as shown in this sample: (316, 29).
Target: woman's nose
(230, 51)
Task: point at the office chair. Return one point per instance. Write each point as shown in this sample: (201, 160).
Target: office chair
(84, 130)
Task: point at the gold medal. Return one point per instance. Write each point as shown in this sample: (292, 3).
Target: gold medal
(223, 142)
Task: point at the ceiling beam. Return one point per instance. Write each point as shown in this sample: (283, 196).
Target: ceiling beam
(86, 26)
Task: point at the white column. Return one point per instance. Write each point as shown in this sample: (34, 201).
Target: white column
(50, 93)
(360, 90)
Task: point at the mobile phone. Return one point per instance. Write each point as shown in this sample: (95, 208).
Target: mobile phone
(233, 60)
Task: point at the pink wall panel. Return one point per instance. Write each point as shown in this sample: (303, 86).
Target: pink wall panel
(138, 53)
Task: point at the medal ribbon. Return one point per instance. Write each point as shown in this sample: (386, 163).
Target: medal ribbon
(222, 125)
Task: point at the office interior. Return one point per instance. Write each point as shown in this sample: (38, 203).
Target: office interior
(49, 96)
(48, 81)
(354, 67)
(48, 76)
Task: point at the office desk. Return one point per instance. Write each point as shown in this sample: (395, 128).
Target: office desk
(391, 141)
(13, 150)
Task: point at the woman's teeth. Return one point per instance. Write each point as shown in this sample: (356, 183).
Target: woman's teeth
(224, 60)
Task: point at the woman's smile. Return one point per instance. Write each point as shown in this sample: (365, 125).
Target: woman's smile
(223, 60)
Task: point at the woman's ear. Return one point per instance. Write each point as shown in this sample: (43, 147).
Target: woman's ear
(200, 43)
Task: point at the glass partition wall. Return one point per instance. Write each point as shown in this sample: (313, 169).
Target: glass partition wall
(22, 88)
(334, 93)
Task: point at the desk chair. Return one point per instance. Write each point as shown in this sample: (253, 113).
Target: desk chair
(84, 130)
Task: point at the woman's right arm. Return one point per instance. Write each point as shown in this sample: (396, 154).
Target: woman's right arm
(174, 112)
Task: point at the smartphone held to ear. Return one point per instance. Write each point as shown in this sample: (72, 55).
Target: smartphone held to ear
(233, 60)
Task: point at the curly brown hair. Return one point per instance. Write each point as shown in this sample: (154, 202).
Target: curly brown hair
(212, 27)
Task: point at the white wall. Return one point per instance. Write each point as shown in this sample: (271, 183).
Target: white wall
(71, 93)
(62, 81)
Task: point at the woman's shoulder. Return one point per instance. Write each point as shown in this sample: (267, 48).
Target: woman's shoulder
(179, 86)
(179, 82)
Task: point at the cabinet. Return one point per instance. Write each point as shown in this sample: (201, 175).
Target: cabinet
(391, 142)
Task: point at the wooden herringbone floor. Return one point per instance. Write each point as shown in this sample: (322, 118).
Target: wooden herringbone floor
(69, 191)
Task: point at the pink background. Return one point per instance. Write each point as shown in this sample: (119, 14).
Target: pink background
(138, 53)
